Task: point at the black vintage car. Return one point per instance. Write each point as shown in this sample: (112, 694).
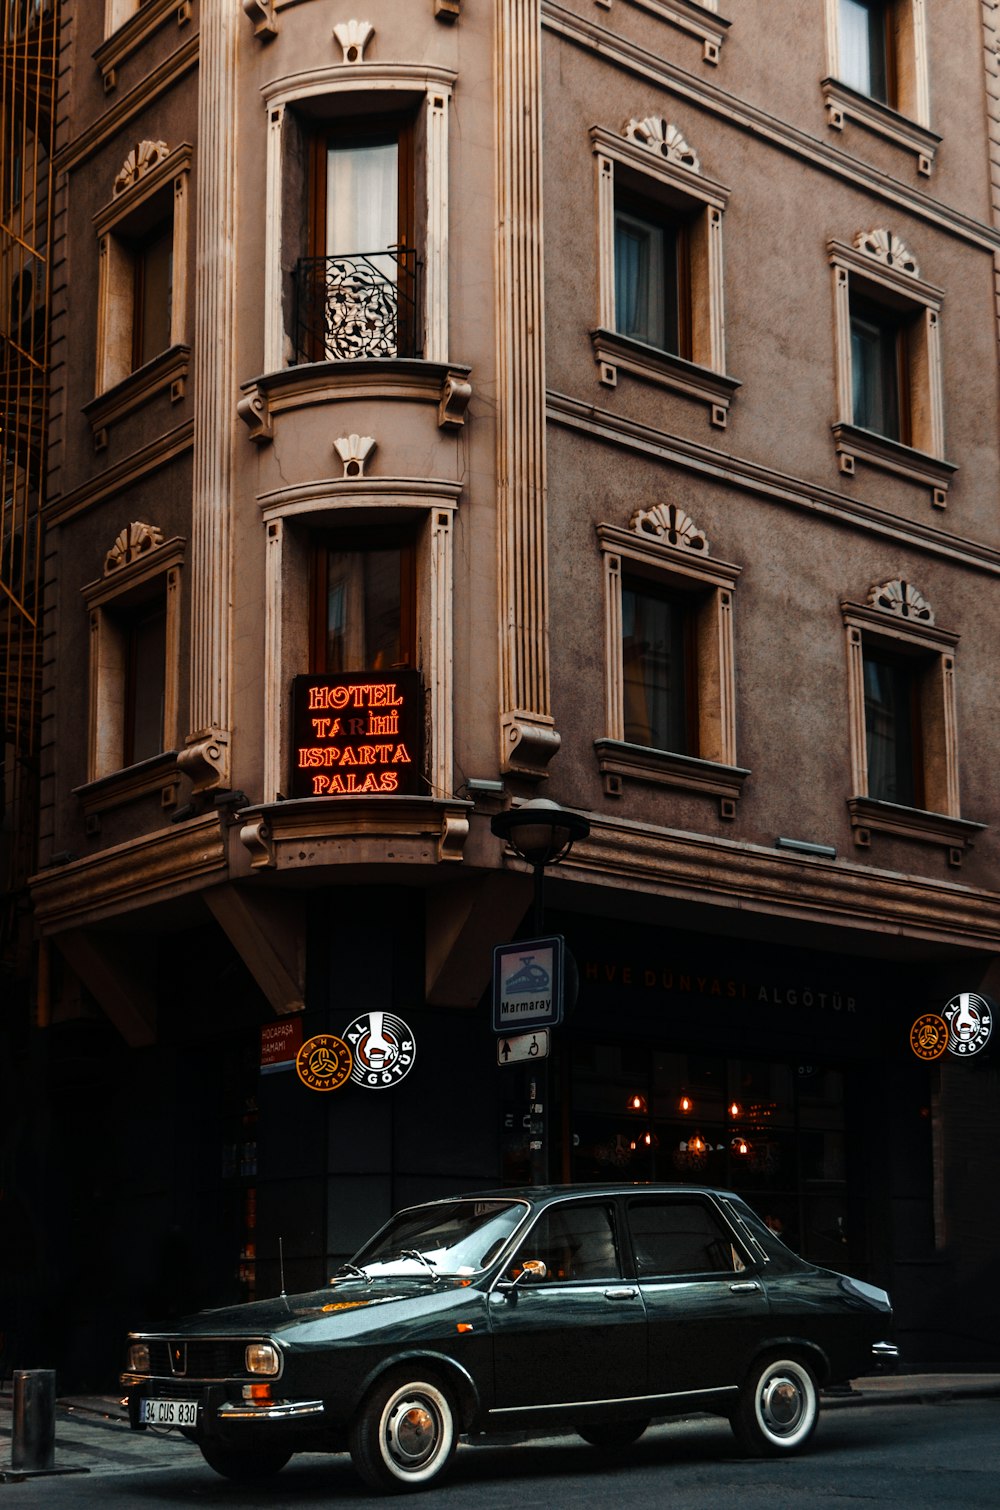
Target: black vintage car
(591, 1309)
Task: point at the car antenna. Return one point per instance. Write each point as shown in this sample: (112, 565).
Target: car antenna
(281, 1267)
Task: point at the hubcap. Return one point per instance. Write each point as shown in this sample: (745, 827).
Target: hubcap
(781, 1405)
(413, 1433)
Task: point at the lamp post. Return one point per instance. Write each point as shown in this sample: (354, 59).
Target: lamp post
(541, 833)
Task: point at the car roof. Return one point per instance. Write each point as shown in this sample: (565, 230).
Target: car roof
(539, 1194)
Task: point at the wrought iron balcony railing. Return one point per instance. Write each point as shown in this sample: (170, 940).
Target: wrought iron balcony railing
(364, 304)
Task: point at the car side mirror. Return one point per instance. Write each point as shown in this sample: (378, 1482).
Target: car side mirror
(532, 1270)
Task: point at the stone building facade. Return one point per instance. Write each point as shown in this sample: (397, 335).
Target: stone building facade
(457, 402)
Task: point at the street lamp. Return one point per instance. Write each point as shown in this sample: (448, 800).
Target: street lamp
(541, 833)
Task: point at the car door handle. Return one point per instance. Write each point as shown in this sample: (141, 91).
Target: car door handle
(744, 1288)
(624, 1294)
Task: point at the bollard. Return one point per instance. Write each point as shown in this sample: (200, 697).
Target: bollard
(33, 1447)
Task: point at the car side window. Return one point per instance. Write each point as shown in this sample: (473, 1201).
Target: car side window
(681, 1237)
(573, 1242)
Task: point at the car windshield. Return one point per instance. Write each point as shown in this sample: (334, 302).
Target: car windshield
(453, 1238)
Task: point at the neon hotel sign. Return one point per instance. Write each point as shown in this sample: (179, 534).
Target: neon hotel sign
(356, 734)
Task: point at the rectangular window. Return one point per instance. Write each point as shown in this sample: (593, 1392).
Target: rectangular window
(878, 371)
(134, 652)
(356, 293)
(650, 277)
(865, 51)
(658, 667)
(152, 294)
(142, 287)
(363, 597)
(145, 645)
(892, 729)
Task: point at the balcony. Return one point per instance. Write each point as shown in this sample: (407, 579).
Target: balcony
(362, 305)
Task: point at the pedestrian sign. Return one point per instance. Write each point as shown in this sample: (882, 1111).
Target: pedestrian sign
(521, 1048)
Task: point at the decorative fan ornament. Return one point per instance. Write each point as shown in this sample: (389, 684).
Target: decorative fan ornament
(668, 522)
(888, 249)
(902, 599)
(660, 136)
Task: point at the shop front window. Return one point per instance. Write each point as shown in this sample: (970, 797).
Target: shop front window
(773, 1131)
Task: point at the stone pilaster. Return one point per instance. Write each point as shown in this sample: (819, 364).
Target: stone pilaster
(206, 758)
(528, 735)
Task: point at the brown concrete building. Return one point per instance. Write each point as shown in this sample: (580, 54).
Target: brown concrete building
(457, 402)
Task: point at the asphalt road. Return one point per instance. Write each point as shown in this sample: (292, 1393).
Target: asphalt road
(926, 1457)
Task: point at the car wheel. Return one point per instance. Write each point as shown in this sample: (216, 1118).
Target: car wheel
(244, 1465)
(405, 1432)
(613, 1436)
(777, 1409)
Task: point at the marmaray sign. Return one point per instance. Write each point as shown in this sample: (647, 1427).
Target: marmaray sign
(356, 734)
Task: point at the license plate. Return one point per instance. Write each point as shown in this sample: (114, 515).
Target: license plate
(169, 1412)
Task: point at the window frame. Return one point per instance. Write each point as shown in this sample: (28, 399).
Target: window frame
(426, 512)
(322, 542)
(897, 621)
(427, 90)
(879, 271)
(398, 128)
(146, 197)
(140, 569)
(686, 605)
(749, 1264)
(904, 119)
(653, 163)
(662, 545)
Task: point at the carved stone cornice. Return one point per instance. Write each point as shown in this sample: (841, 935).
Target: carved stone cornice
(443, 384)
(718, 871)
(123, 475)
(109, 123)
(155, 868)
(310, 834)
(129, 37)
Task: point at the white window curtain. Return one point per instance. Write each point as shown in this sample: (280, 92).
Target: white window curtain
(361, 199)
(639, 277)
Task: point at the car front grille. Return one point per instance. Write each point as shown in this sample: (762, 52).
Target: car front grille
(200, 1358)
(173, 1389)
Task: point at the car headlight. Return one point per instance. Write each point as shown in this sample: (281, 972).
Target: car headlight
(138, 1357)
(262, 1358)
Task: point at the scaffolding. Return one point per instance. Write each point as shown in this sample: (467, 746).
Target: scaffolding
(27, 125)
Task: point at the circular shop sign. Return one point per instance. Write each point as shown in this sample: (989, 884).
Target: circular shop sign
(970, 1023)
(383, 1048)
(324, 1063)
(929, 1036)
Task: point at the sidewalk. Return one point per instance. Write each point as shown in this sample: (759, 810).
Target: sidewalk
(92, 1431)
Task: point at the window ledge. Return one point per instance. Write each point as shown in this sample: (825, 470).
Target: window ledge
(129, 37)
(612, 351)
(698, 20)
(878, 451)
(618, 761)
(870, 816)
(844, 103)
(169, 370)
(159, 774)
(444, 383)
